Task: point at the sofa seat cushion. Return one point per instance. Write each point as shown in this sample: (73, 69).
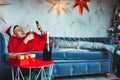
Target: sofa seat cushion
(80, 55)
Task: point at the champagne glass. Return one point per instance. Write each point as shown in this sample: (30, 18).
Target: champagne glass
(31, 31)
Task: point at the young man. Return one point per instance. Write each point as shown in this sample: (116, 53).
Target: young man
(24, 42)
(31, 41)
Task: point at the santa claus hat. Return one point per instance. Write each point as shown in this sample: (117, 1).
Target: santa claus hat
(9, 31)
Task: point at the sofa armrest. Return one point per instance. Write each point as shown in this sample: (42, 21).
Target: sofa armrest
(3, 46)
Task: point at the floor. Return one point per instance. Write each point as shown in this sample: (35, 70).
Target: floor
(89, 77)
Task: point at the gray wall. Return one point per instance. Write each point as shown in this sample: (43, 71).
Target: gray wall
(90, 24)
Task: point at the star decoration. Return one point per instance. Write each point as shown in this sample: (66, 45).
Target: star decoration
(58, 5)
(81, 4)
(3, 2)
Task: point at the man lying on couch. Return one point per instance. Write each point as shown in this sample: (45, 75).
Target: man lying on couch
(31, 41)
(23, 42)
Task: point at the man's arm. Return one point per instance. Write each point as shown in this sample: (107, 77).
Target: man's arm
(15, 46)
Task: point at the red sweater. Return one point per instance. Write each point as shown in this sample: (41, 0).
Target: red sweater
(16, 44)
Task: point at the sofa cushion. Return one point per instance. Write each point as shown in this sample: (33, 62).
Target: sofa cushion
(80, 55)
(86, 55)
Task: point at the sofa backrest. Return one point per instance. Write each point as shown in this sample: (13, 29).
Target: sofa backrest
(105, 40)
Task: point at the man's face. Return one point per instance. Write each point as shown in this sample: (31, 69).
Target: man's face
(19, 32)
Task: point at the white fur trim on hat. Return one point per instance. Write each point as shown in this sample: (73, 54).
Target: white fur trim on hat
(11, 30)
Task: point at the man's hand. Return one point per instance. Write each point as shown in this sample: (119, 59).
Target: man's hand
(28, 38)
(40, 29)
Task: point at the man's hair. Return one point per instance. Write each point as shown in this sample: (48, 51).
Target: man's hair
(15, 27)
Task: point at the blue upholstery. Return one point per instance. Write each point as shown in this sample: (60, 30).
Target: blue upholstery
(104, 40)
(5, 71)
(67, 63)
(82, 62)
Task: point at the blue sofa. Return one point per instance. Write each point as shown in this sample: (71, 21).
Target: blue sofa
(68, 62)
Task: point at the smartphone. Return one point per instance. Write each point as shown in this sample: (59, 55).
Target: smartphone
(37, 22)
